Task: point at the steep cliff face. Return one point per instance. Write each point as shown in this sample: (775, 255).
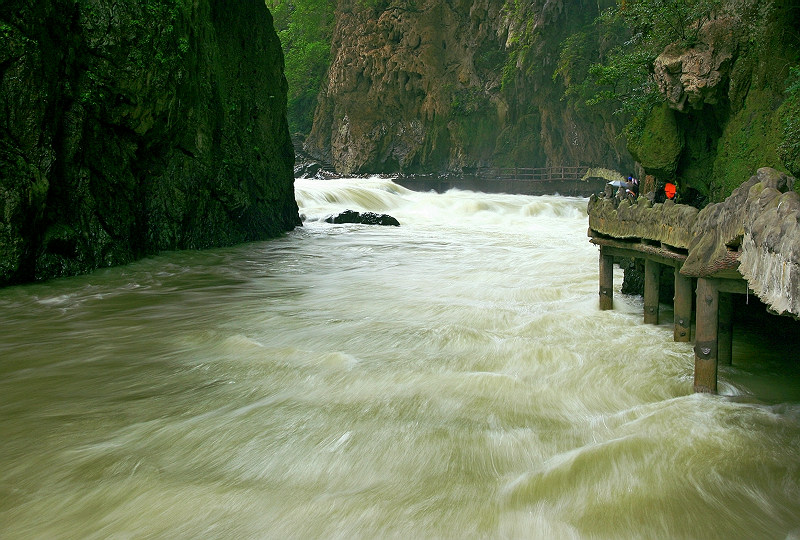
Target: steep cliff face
(438, 86)
(441, 86)
(133, 127)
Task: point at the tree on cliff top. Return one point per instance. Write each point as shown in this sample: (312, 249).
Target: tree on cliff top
(305, 28)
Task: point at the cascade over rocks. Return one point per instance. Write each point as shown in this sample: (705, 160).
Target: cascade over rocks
(138, 126)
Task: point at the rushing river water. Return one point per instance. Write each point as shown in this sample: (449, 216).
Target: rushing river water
(449, 378)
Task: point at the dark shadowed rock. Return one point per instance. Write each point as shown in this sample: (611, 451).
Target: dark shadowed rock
(138, 126)
(365, 218)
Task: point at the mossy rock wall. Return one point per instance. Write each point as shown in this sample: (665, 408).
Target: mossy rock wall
(729, 97)
(140, 126)
(659, 146)
(749, 141)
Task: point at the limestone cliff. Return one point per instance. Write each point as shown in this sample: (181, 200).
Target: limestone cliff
(441, 86)
(139, 126)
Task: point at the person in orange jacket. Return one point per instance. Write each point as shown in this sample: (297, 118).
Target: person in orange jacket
(670, 190)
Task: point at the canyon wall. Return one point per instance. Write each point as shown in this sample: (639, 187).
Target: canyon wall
(426, 86)
(430, 86)
(134, 127)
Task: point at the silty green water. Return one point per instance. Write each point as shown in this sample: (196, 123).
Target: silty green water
(450, 378)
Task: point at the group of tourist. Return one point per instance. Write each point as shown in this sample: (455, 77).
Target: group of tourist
(629, 189)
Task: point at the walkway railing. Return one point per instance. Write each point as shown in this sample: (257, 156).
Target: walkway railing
(534, 174)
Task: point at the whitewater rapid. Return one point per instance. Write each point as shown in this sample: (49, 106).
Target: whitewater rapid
(449, 378)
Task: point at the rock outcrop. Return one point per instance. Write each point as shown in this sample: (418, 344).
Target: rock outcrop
(364, 218)
(770, 259)
(140, 126)
(722, 116)
(697, 76)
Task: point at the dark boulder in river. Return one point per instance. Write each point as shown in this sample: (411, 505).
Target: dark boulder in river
(135, 127)
(365, 218)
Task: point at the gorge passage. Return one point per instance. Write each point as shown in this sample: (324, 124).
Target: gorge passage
(451, 377)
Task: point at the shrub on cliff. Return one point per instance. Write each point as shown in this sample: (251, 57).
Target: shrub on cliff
(305, 28)
(631, 35)
(790, 114)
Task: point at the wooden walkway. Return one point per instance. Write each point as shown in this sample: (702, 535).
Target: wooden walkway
(534, 174)
(566, 180)
(664, 237)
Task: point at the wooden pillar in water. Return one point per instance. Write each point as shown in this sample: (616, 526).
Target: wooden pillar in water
(606, 280)
(683, 307)
(705, 348)
(652, 274)
(725, 329)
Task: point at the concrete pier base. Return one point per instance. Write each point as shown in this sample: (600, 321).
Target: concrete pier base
(706, 342)
(606, 280)
(713, 312)
(725, 329)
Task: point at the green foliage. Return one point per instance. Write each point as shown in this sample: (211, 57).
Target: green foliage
(630, 37)
(667, 21)
(660, 143)
(305, 28)
(750, 140)
(377, 5)
(789, 149)
(469, 101)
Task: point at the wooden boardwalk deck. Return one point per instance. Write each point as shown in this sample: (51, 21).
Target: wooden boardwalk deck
(561, 180)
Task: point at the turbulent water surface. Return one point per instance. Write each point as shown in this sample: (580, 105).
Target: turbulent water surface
(449, 378)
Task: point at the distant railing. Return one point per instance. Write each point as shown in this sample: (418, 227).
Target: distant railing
(534, 174)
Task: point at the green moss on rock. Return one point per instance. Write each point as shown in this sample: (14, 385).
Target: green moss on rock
(658, 148)
(749, 141)
(136, 127)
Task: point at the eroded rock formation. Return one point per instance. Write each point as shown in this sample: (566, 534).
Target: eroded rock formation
(139, 126)
(697, 76)
(722, 117)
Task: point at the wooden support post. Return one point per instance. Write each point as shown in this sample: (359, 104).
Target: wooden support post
(683, 307)
(606, 280)
(705, 348)
(725, 329)
(652, 274)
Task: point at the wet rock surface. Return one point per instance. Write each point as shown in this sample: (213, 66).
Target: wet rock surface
(365, 218)
(697, 76)
(135, 127)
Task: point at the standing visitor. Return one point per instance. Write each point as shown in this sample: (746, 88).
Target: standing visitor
(670, 190)
(634, 183)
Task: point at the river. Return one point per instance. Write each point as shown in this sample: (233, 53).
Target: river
(449, 378)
